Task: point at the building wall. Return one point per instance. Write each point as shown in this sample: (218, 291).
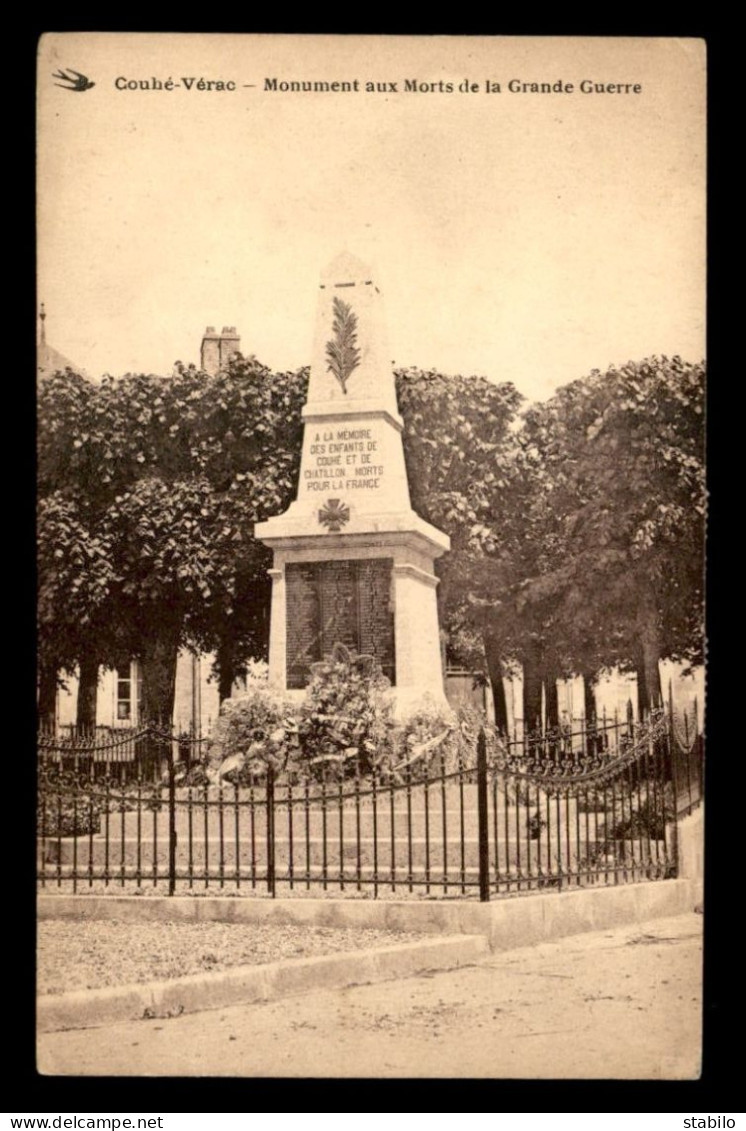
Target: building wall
(197, 702)
(461, 692)
(118, 701)
(613, 692)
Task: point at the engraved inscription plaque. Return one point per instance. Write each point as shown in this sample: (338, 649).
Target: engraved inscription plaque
(338, 602)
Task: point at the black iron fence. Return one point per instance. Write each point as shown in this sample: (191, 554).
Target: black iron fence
(560, 810)
(121, 753)
(687, 757)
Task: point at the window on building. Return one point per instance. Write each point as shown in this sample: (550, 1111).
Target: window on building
(124, 689)
(128, 689)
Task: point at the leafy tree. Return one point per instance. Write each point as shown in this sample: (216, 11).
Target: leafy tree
(578, 539)
(74, 552)
(622, 457)
(76, 574)
(170, 476)
(472, 473)
(253, 421)
(465, 477)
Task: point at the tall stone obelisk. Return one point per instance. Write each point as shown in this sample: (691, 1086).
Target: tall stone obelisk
(353, 563)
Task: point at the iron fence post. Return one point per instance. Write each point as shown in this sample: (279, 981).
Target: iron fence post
(699, 751)
(171, 820)
(484, 848)
(271, 829)
(670, 759)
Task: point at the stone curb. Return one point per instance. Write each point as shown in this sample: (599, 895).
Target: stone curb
(243, 985)
(507, 922)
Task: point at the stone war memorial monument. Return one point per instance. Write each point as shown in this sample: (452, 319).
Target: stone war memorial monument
(353, 563)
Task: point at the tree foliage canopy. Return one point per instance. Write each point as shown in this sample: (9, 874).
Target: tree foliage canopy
(149, 490)
(621, 461)
(576, 530)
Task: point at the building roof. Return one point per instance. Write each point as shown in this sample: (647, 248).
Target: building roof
(48, 359)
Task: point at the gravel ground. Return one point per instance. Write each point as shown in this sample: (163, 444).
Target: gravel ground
(624, 1003)
(317, 891)
(87, 955)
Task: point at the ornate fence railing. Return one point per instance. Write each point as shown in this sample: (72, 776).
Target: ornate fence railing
(144, 811)
(687, 757)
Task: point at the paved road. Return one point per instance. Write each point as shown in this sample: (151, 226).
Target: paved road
(619, 1004)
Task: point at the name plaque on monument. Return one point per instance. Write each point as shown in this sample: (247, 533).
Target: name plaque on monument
(346, 602)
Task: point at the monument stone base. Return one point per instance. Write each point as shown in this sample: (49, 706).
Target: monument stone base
(395, 619)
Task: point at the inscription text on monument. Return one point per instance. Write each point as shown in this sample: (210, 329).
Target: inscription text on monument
(348, 459)
(338, 602)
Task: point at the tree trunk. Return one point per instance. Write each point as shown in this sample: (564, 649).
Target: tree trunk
(227, 672)
(500, 704)
(87, 693)
(651, 654)
(589, 696)
(47, 701)
(495, 671)
(158, 659)
(263, 604)
(649, 690)
(532, 683)
(650, 693)
(552, 696)
(593, 742)
(226, 679)
(643, 699)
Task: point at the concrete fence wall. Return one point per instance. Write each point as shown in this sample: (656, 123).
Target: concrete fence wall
(692, 850)
(519, 921)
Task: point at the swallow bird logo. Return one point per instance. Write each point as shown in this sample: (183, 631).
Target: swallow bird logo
(72, 80)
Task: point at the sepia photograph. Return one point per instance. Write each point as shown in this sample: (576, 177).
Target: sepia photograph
(370, 539)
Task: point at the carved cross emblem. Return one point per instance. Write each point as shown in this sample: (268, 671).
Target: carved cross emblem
(334, 515)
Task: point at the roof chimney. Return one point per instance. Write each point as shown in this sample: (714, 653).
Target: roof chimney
(217, 349)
